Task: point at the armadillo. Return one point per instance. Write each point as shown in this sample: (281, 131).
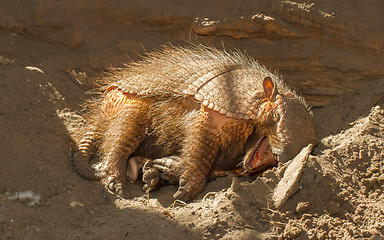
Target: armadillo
(183, 113)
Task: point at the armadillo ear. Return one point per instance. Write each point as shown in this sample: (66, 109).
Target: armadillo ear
(270, 88)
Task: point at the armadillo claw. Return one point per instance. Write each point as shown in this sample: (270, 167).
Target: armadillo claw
(151, 177)
(183, 191)
(119, 186)
(181, 194)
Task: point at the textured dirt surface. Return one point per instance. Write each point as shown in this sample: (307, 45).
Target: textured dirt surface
(49, 60)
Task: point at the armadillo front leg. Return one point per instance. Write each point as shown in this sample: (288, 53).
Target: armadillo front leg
(198, 154)
(121, 139)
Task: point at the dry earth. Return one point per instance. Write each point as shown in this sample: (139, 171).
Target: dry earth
(50, 55)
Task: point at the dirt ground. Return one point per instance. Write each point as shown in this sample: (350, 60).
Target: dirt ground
(43, 84)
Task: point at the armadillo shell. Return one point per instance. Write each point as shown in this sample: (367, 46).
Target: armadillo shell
(228, 83)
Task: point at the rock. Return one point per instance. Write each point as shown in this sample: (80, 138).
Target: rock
(288, 185)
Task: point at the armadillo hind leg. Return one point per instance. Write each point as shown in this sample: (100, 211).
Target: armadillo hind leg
(197, 156)
(121, 139)
(85, 150)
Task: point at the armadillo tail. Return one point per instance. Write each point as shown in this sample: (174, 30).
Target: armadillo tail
(85, 150)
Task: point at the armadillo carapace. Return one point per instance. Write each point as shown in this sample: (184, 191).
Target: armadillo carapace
(186, 113)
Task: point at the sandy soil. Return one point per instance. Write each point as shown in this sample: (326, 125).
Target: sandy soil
(43, 84)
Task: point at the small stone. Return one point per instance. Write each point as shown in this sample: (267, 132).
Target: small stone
(302, 207)
(289, 184)
(154, 203)
(291, 231)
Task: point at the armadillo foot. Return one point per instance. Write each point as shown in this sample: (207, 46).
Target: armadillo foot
(191, 182)
(169, 168)
(190, 185)
(118, 185)
(151, 177)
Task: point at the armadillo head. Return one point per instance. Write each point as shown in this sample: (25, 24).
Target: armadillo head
(283, 127)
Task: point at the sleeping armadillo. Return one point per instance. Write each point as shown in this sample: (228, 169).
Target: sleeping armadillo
(186, 113)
